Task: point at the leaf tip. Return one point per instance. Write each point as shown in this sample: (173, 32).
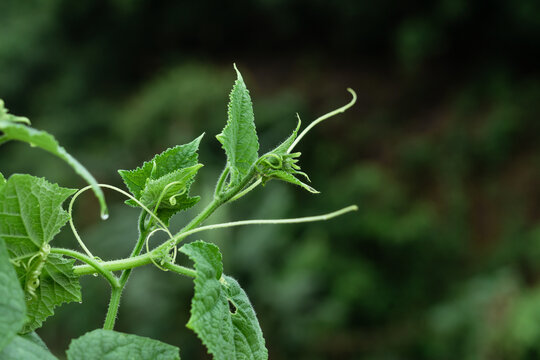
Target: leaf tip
(238, 72)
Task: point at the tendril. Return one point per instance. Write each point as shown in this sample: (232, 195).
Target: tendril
(32, 278)
(163, 227)
(324, 117)
(174, 249)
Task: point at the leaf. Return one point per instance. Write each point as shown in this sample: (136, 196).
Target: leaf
(2, 180)
(167, 188)
(12, 307)
(221, 313)
(31, 215)
(57, 285)
(111, 345)
(34, 337)
(285, 176)
(172, 159)
(21, 348)
(13, 129)
(171, 191)
(239, 137)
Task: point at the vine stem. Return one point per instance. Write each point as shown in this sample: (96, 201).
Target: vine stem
(147, 257)
(112, 311)
(92, 263)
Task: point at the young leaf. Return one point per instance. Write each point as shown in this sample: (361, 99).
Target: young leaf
(31, 215)
(20, 348)
(285, 176)
(12, 128)
(12, 307)
(111, 345)
(221, 313)
(172, 159)
(239, 137)
(167, 188)
(170, 192)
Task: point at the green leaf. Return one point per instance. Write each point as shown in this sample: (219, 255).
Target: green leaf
(12, 307)
(285, 176)
(2, 180)
(34, 337)
(172, 159)
(31, 215)
(25, 349)
(13, 129)
(170, 192)
(221, 313)
(239, 137)
(57, 285)
(111, 345)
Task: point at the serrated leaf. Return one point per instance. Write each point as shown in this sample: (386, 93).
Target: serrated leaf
(285, 176)
(239, 137)
(171, 191)
(12, 307)
(57, 285)
(31, 215)
(168, 188)
(12, 128)
(172, 159)
(111, 345)
(221, 313)
(23, 349)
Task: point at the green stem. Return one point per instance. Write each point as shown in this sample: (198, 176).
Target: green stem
(246, 190)
(182, 270)
(92, 264)
(143, 232)
(114, 265)
(116, 293)
(221, 182)
(112, 311)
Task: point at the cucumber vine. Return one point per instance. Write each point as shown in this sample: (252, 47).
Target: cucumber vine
(36, 277)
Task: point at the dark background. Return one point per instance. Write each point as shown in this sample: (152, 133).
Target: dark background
(441, 154)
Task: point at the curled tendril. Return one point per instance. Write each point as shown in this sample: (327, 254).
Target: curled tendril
(162, 226)
(34, 270)
(172, 198)
(268, 160)
(165, 256)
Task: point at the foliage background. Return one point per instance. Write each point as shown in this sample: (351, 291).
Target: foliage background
(441, 153)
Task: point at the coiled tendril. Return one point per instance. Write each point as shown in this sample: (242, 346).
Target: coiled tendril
(34, 270)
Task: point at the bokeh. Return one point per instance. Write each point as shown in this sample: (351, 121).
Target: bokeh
(441, 154)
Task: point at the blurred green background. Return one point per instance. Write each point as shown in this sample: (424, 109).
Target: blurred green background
(441, 153)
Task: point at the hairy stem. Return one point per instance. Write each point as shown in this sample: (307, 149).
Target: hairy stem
(93, 264)
(182, 270)
(221, 181)
(112, 311)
